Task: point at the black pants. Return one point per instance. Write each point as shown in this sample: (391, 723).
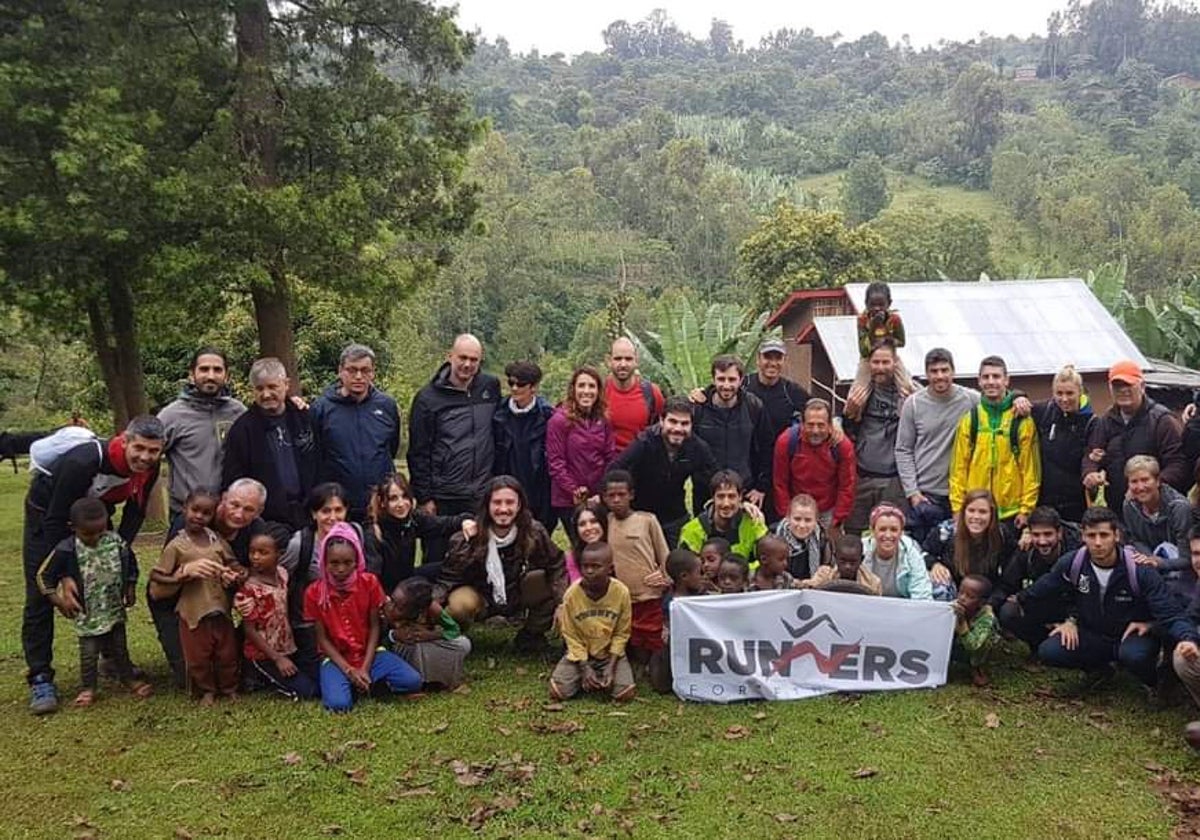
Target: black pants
(166, 625)
(671, 530)
(37, 619)
(1029, 623)
(115, 648)
(434, 548)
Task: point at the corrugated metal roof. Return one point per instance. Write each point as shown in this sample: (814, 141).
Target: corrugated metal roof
(1036, 326)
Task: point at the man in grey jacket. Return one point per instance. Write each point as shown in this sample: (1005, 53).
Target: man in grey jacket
(872, 420)
(196, 424)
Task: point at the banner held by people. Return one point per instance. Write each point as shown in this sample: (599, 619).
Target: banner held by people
(789, 644)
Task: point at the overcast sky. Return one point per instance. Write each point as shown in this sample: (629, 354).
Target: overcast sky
(573, 27)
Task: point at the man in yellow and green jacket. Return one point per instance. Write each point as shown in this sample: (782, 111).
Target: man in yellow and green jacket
(996, 450)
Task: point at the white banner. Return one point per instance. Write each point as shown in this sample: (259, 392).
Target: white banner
(790, 644)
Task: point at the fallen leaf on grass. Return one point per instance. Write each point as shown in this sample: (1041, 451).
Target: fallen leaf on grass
(785, 818)
(992, 720)
(469, 775)
(759, 716)
(357, 776)
(505, 731)
(864, 773)
(439, 728)
(358, 745)
(332, 829)
(183, 834)
(735, 733)
(520, 670)
(462, 689)
(565, 727)
(553, 707)
(1153, 767)
(418, 791)
(566, 756)
(292, 759)
(182, 782)
(120, 785)
(617, 714)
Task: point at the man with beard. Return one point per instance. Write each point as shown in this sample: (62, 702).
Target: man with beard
(725, 517)
(872, 421)
(510, 567)
(196, 424)
(120, 471)
(734, 425)
(1048, 538)
(633, 401)
(661, 459)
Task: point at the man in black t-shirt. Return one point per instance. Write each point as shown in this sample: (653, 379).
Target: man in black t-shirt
(781, 397)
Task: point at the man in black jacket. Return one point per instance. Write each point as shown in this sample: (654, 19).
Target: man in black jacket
(1049, 538)
(451, 451)
(121, 471)
(519, 433)
(661, 459)
(273, 443)
(735, 426)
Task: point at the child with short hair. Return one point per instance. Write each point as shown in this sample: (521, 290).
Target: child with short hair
(91, 577)
(732, 575)
(425, 635)
(772, 571)
(687, 579)
(344, 606)
(879, 322)
(201, 567)
(848, 567)
(596, 624)
(808, 548)
(269, 649)
(639, 551)
(714, 550)
(975, 632)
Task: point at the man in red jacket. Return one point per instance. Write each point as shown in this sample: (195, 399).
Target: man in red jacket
(807, 460)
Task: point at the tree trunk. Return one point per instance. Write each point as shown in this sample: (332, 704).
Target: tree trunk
(257, 114)
(99, 334)
(125, 345)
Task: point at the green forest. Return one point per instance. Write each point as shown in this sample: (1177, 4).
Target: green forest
(284, 178)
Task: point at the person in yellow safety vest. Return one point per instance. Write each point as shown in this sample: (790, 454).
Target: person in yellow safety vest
(996, 450)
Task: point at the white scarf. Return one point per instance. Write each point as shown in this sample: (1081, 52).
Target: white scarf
(517, 410)
(495, 570)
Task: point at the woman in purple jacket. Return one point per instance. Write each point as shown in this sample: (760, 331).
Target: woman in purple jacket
(579, 444)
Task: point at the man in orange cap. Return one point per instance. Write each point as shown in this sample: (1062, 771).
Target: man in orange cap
(1135, 425)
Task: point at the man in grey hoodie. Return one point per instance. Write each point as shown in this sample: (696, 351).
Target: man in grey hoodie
(196, 424)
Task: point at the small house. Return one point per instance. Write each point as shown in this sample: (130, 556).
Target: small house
(1036, 326)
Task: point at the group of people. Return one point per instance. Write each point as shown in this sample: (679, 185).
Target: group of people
(1042, 521)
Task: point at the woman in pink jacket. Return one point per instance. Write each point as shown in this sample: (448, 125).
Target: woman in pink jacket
(579, 444)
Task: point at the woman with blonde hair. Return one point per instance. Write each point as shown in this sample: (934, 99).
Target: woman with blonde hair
(1063, 424)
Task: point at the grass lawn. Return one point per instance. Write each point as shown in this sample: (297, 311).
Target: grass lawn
(491, 761)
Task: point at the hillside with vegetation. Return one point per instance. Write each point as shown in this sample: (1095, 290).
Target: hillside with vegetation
(671, 174)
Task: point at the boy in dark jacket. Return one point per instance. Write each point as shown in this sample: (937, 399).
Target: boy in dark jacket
(103, 577)
(1112, 604)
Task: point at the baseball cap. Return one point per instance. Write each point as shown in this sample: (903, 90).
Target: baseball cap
(772, 345)
(1125, 371)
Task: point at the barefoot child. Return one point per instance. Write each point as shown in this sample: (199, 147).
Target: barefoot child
(262, 601)
(687, 581)
(596, 623)
(772, 572)
(90, 577)
(732, 575)
(878, 321)
(343, 605)
(712, 553)
(975, 628)
(848, 567)
(201, 567)
(425, 635)
(639, 552)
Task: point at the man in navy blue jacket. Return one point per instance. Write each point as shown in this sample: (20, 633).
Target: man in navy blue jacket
(1112, 602)
(357, 428)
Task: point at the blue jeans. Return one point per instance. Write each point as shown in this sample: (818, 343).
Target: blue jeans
(928, 515)
(1137, 654)
(337, 693)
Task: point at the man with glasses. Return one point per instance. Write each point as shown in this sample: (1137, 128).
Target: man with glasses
(1135, 425)
(519, 431)
(451, 451)
(357, 428)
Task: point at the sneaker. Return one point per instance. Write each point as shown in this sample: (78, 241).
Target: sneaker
(43, 696)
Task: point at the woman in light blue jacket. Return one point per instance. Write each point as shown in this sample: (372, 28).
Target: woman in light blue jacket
(895, 557)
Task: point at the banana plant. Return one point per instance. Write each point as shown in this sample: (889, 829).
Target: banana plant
(678, 350)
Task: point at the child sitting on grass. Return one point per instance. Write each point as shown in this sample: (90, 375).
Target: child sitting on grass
(269, 649)
(596, 622)
(848, 567)
(344, 606)
(201, 567)
(712, 553)
(772, 571)
(687, 581)
(91, 578)
(733, 575)
(975, 628)
(425, 635)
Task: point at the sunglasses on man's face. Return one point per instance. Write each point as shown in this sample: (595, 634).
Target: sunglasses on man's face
(512, 383)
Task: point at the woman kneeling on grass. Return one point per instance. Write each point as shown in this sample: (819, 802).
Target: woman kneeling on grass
(343, 606)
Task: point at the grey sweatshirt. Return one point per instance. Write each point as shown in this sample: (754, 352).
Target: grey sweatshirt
(925, 439)
(196, 428)
(875, 433)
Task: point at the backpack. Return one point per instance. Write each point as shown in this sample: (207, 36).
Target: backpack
(44, 453)
(1014, 432)
(794, 442)
(1130, 568)
(652, 415)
